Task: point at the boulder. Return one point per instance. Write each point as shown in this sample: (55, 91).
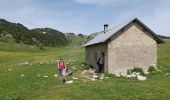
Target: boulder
(141, 78)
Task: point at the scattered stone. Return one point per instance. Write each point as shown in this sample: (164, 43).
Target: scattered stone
(45, 76)
(55, 75)
(44, 32)
(129, 76)
(137, 73)
(93, 79)
(95, 76)
(90, 74)
(166, 74)
(101, 78)
(141, 78)
(117, 74)
(123, 74)
(69, 82)
(89, 71)
(22, 75)
(9, 69)
(23, 63)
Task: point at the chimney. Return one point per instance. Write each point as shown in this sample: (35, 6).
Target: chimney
(105, 27)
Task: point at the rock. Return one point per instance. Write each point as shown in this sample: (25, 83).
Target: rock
(137, 73)
(95, 76)
(95, 73)
(117, 74)
(141, 78)
(93, 79)
(84, 72)
(9, 69)
(90, 71)
(166, 74)
(129, 76)
(101, 77)
(22, 75)
(26, 62)
(69, 82)
(133, 74)
(45, 76)
(55, 75)
(23, 63)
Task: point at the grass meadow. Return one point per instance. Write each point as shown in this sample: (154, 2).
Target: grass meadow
(29, 75)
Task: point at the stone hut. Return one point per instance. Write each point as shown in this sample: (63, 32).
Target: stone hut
(129, 44)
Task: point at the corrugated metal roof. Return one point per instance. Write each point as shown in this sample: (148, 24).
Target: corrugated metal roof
(103, 37)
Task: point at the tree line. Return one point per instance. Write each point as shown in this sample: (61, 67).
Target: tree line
(38, 37)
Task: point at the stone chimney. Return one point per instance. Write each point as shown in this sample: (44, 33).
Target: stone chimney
(105, 27)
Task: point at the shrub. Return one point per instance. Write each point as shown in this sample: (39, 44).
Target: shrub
(135, 69)
(153, 70)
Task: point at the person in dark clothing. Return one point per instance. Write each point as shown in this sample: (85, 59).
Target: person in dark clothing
(100, 64)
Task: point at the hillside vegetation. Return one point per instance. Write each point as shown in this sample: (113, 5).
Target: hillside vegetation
(26, 75)
(40, 37)
(76, 40)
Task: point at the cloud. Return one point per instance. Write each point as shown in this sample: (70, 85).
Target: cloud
(99, 2)
(69, 16)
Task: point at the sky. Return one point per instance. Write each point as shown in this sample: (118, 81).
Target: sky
(86, 16)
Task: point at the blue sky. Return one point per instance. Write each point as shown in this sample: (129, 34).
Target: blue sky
(86, 16)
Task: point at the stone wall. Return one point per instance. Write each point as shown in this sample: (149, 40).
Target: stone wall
(93, 53)
(133, 47)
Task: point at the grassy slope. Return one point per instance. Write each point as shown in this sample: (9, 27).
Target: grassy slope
(32, 86)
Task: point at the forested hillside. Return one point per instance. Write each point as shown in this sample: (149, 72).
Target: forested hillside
(76, 40)
(38, 37)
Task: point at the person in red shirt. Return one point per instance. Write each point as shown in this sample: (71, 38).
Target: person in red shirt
(62, 70)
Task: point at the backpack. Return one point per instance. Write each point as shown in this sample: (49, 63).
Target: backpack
(98, 62)
(61, 65)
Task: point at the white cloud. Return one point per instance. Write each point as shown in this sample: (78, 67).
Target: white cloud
(99, 2)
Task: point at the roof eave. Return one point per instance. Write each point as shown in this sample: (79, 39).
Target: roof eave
(157, 39)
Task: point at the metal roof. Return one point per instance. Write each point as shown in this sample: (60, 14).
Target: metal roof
(103, 37)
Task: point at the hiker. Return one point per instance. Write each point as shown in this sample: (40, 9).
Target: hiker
(100, 63)
(62, 70)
